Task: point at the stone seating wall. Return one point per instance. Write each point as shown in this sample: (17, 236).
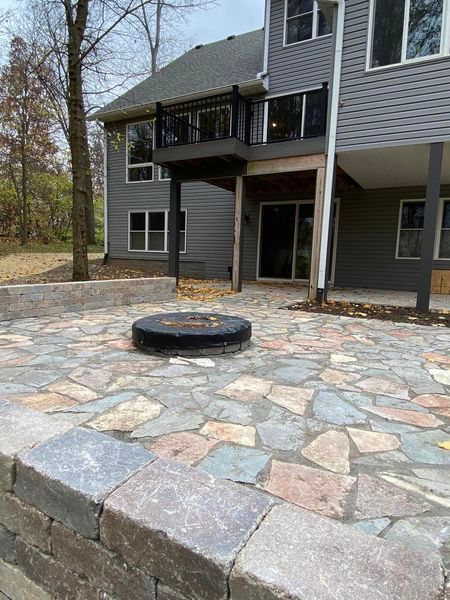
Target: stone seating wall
(85, 516)
(41, 300)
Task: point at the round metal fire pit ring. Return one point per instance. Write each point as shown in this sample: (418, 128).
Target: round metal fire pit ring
(192, 334)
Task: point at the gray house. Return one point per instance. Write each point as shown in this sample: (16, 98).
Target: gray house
(314, 150)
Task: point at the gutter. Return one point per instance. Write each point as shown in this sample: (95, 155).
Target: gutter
(150, 107)
(330, 171)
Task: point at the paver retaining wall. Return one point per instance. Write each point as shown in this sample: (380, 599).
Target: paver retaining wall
(20, 301)
(84, 516)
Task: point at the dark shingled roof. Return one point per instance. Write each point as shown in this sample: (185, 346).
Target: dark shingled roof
(217, 65)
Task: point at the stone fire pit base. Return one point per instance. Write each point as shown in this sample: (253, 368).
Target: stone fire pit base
(192, 334)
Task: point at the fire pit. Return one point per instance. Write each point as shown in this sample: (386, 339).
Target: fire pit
(192, 334)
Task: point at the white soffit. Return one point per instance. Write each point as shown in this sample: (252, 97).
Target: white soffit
(400, 166)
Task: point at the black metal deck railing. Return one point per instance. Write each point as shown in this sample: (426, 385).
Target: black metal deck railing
(225, 116)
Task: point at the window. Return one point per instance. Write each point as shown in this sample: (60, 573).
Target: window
(409, 243)
(149, 231)
(444, 237)
(304, 21)
(410, 231)
(140, 152)
(214, 123)
(164, 173)
(406, 30)
(295, 117)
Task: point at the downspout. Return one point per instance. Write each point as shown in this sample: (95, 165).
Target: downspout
(264, 73)
(331, 153)
(105, 196)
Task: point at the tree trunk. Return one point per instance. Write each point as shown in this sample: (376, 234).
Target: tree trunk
(24, 198)
(78, 145)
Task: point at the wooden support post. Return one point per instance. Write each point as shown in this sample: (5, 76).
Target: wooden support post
(239, 218)
(318, 216)
(174, 229)
(429, 227)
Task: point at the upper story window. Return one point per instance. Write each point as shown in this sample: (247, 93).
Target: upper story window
(304, 21)
(406, 30)
(140, 152)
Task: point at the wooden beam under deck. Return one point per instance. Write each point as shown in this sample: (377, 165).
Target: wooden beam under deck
(289, 164)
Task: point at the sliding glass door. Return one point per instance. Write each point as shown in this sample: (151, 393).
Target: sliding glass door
(285, 242)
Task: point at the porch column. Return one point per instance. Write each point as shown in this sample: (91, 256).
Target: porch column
(239, 218)
(315, 252)
(429, 227)
(174, 229)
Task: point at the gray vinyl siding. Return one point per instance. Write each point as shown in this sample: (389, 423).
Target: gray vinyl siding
(367, 240)
(396, 105)
(298, 66)
(210, 214)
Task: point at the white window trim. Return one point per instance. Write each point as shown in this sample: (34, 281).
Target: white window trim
(315, 26)
(166, 230)
(437, 237)
(440, 229)
(445, 39)
(142, 165)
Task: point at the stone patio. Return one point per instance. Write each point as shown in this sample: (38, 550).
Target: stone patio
(348, 418)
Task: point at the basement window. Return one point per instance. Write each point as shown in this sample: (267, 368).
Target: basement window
(304, 21)
(410, 228)
(148, 231)
(444, 238)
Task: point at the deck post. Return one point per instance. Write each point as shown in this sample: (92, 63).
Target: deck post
(174, 229)
(315, 251)
(429, 227)
(239, 218)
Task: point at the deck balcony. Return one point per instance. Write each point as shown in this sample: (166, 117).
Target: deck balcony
(230, 128)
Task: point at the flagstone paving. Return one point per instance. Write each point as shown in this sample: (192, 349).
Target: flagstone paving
(344, 417)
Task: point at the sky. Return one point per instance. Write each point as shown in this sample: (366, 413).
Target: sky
(227, 17)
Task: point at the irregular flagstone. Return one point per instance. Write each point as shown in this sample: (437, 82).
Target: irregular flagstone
(377, 385)
(184, 447)
(433, 401)
(369, 441)
(382, 459)
(392, 427)
(425, 534)
(405, 416)
(230, 410)
(358, 398)
(170, 421)
(230, 432)
(291, 375)
(73, 390)
(342, 358)
(331, 451)
(431, 490)
(246, 388)
(434, 474)
(127, 415)
(282, 431)
(16, 388)
(95, 379)
(371, 527)
(442, 412)
(376, 498)
(335, 377)
(329, 407)
(322, 492)
(436, 357)
(103, 404)
(419, 380)
(441, 375)
(423, 447)
(172, 371)
(396, 403)
(294, 399)
(242, 465)
(43, 401)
